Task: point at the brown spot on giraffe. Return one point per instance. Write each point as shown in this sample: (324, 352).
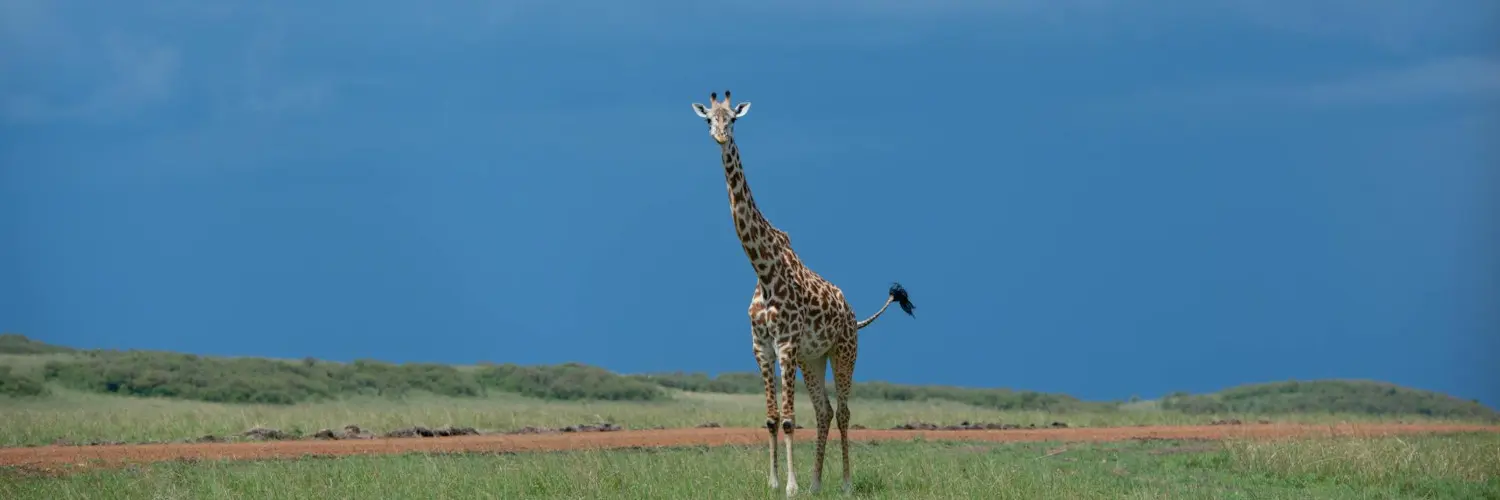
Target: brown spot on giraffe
(797, 319)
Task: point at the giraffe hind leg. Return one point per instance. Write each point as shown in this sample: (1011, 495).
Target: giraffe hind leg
(843, 385)
(812, 375)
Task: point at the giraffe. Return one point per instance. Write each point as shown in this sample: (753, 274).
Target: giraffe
(797, 318)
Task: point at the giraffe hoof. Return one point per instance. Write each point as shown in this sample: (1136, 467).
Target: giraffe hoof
(791, 490)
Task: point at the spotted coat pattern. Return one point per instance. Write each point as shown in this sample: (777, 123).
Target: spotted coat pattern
(798, 319)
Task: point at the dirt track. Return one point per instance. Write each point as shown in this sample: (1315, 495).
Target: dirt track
(54, 457)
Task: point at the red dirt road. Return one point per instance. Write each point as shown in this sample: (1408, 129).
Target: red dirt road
(55, 457)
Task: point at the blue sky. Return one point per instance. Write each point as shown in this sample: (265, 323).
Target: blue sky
(1093, 197)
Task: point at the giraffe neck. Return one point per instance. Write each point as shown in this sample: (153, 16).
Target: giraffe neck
(757, 236)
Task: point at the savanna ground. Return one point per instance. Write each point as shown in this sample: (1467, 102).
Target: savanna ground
(1456, 465)
(1465, 466)
(1355, 439)
(77, 417)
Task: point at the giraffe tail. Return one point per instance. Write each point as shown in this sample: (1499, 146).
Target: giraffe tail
(897, 296)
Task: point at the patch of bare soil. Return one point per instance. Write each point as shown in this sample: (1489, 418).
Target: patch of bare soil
(607, 436)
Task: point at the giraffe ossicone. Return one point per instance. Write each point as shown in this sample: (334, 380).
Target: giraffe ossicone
(798, 319)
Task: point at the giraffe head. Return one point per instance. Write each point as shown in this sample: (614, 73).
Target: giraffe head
(720, 116)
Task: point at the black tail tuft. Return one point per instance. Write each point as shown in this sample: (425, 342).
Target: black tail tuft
(898, 294)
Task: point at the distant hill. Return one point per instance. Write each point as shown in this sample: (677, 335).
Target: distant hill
(1365, 397)
(274, 381)
(15, 343)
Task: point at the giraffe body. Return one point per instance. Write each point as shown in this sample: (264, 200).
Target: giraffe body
(798, 319)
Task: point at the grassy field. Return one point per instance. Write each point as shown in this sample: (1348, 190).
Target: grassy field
(62, 395)
(51, 393)
(1452, 466)
(86, 417)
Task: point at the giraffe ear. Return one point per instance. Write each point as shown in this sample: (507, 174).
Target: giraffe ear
(741, 108)
(702, 111)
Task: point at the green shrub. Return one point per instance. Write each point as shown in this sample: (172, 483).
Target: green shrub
(259, 380)
(1330, 396)
(250, 380)
(725, 383)
(567, 381)
(18, 385)
(161, 374)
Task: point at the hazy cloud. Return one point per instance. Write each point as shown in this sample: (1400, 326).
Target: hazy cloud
(127, 75)
(268, 88)
(1458, 77)
(1397, 25)
(80, 61)
(1462, 77)
(1388, 24)
(84, 60)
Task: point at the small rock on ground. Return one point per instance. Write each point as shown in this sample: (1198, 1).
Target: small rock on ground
(352, 431)
(265, 434)
(421, 431)
(606, 427)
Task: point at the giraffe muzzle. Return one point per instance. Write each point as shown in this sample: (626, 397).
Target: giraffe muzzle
(720, 138)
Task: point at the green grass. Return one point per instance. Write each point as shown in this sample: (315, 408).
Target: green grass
(83, 417)
(1412, 464)
(1454, 466)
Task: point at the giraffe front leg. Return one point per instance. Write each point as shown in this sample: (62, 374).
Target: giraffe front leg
(787, 356)
(765, 356)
